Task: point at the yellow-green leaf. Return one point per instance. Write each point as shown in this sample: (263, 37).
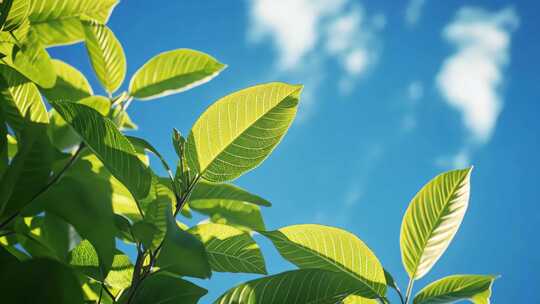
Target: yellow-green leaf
(475, 288)
(58, 22)
(106, 55)
(18, 13)
(71, 85)
(236, 133)
(172, 72)
(432, 219)
(324, 247)
(297, 286)
(112, 147)
(230, 249)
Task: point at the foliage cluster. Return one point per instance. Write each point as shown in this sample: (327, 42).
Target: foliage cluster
(73, 184)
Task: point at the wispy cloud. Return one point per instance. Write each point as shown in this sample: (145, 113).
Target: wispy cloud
(413, 12)
(311, 35)
(470, 79)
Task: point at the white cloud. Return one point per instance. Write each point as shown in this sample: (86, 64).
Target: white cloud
(311, 34)
(413, 12)
(470, 79)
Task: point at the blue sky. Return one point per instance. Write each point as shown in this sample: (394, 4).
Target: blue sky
(395, 93)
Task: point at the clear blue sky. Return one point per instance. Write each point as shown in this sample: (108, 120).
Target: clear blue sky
(396, 92)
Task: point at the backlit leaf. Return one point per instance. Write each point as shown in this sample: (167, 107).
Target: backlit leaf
(432, 219)
(71, 85)
(475, 288)
(324, 247)
(236, 133)
(172, 72)
(165, 288)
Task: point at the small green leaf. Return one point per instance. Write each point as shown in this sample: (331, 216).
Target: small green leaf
(432, 219)
(324, 247)
(112, 147)
(124, 228)
(235, 213)
(180, 246)
(207, 191)
(236, 133)
(297, 286)
(165, 288)
(71, 85)
(230, 249)
(106, 55)
(475, 288)
(172, 72)
(24, 283)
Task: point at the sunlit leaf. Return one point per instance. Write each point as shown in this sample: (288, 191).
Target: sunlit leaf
(58, 22)
(106, 55)
(236, 133)
(18, 12)
(172, 72)
(324, 247)
(235, 213)
(475, 288)
(224, 192)
(112, 147)
(71, 85)
(432, 219)
(230, 249)
(297, 286)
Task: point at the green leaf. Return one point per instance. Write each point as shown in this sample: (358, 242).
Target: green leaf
(124, 228)
(207, 191)
(30, 58)
(112, 147)
(58, 22)
(230, 249)
(157, 211)
(239, 131)
(12, 146)
(25, 282)
(352, 299)
(106, 55)
(90, 209)
(235, 213)
(324, 247)
(297, 286)
(180, 246)
(71, 85)
(18, 12)
(140, 142)
(61, 134)
(144, 232)
(475, 288)
(173, 72)
(432, 219)
(44, 236)
(21, 100)
(165, 288)
(121, 272)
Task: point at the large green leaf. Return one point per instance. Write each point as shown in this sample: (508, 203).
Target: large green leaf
(165, 288)
(182, 253)
(44, 236)
(112, 147)
(18, 12)
(106, 55)
(239, 131)
(89, 210)
(25, 283)
(235, 213)
(61, 134)
(172, 72)
(324, 247)
(58, 22)
(297, 286)
(206, 191)
(156, 211)
(230, 249)
(432, 219)
(71, 85)
(476, 288)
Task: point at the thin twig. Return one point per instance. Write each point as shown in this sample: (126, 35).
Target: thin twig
(409, 290)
